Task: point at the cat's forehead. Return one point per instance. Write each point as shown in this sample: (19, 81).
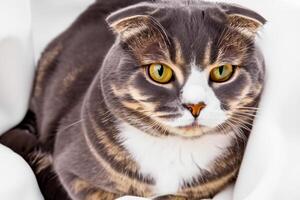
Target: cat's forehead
(194, 30)
(192, 19)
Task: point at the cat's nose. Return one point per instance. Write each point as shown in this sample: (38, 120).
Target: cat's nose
(195, 109)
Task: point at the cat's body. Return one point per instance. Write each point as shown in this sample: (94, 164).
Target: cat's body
(93, 134)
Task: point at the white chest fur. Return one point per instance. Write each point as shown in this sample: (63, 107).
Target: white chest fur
(171, 160)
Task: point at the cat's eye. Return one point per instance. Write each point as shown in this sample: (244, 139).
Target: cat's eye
(222, 73)
(160, 73)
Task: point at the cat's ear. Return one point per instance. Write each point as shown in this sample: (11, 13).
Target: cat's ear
(130, 26)
(141, 32)
(244, 20)
(132, 20)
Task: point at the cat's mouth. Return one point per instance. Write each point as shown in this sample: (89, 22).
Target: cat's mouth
(186, 126)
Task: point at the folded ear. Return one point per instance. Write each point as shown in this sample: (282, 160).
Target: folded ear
(244, 20)
(130, 26)
(134, 20)
(136, 27)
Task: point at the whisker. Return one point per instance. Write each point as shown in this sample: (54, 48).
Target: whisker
(239, 123)
(71, 125)
(246, 115)
(244, 121)
(237, 132)
(250, 107)
(240, 131)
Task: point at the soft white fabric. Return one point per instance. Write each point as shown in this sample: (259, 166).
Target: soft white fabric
(17, 66)
(51, 17)
(16, 61)
(17, 181)
(271, 168)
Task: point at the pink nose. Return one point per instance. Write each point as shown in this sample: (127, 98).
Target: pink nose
(195, 109)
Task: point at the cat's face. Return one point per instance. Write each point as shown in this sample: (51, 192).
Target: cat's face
(184, 69)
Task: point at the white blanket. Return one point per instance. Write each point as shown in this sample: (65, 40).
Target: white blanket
(271, 167)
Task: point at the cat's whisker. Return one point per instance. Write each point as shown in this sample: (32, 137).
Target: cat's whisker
(239, 132)
(246, 115)
(71, 125)
(240, 124)
(241, 116)
(223, 128)
(247, 108)
(253, 112)
(248, 118)
(244, 121)
(242, 107)
(250, 112)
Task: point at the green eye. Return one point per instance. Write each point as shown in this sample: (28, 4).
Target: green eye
(160, 73)
(222, 73)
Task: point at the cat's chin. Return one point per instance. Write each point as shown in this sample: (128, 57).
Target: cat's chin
(191, 126)
(189, 131)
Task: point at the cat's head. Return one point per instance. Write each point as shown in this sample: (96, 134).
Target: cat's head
(184, 67)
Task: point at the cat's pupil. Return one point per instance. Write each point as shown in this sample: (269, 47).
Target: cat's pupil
(221, 70)
(160, 70)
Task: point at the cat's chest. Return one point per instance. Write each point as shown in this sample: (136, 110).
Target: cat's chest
(170, 160)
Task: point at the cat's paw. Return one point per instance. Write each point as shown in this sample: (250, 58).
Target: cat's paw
(131, 198)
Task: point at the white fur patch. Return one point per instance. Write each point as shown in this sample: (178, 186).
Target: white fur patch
(197, 90)
(171, 160)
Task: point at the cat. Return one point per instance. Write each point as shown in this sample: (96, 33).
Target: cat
(147, 98)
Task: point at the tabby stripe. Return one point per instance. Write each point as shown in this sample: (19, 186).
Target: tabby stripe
(109, 150)
(207, 190)
(124, 180)
(112, 154)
